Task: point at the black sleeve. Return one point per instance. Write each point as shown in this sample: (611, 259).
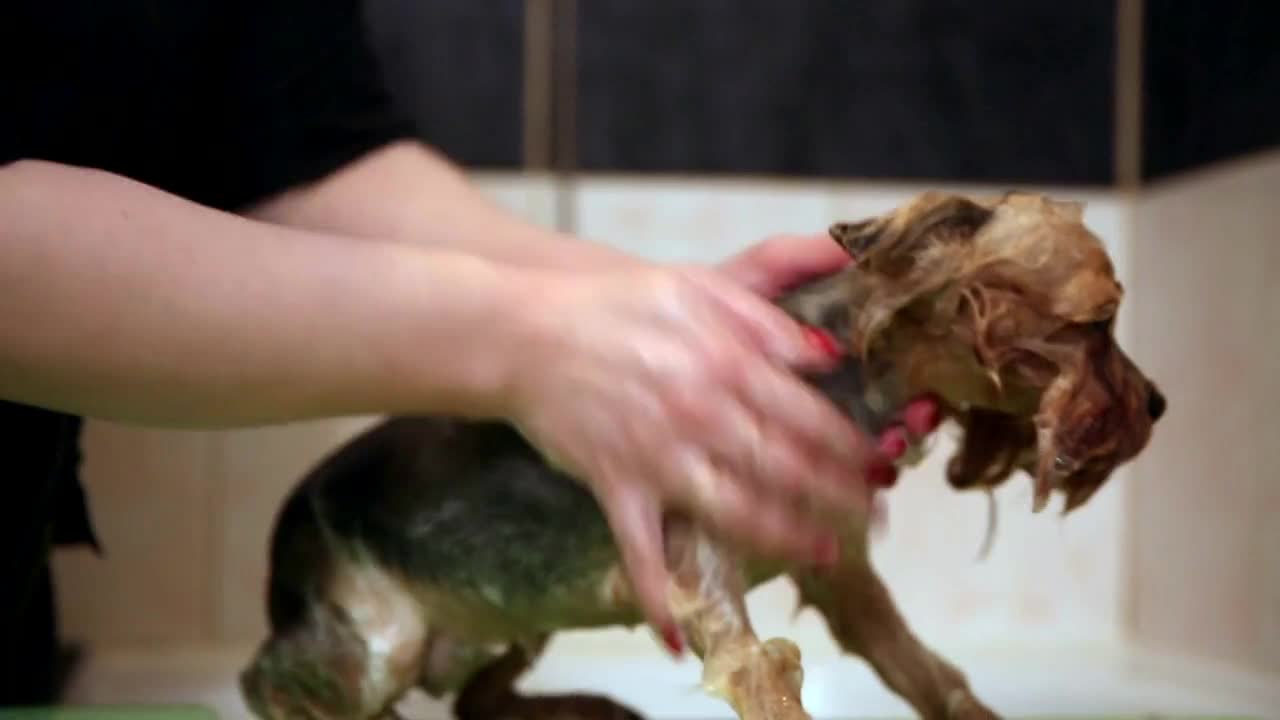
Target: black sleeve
(306, 94)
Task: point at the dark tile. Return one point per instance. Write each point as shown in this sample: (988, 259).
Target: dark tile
(1212, 82)
(457, 67)
(1005, 91)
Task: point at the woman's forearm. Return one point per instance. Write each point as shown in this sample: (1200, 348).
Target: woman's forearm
(409, 192)
(122, 302)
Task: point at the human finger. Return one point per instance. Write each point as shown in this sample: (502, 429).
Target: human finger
(882, 476)
(893, 442)
(781, 262)
(754, 449)
(635, 519)
(806, 416)
(778, 463)
(746, 515)
(922, 415)
(760, 325)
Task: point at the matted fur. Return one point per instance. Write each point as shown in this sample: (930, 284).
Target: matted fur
(1005, 308)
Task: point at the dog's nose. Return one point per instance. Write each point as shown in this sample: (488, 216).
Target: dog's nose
(1155, 402)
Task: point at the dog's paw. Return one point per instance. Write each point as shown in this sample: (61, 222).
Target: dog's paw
(962, 705)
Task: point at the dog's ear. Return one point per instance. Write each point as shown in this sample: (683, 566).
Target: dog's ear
(887, 244)
(896, 254)
(995, 445)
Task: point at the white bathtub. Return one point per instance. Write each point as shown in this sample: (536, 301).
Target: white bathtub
(1081, 683)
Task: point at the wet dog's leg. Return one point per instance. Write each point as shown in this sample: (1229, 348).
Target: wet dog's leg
(325, 668)
(759, 680)
(490, 693)
(865, 622)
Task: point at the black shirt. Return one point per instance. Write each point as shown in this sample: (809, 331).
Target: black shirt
(223, 102)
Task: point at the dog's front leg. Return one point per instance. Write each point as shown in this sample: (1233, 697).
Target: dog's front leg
(759, 680)
(865, 622)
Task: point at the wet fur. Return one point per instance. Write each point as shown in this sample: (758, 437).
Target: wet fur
(436, 553)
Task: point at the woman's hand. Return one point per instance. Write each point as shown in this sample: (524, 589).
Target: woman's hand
(781, 263)
(668, 388)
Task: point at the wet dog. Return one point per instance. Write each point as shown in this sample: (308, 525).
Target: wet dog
(440, 554)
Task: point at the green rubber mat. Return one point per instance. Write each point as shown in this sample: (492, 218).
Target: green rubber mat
(194, 712)
(111, 712)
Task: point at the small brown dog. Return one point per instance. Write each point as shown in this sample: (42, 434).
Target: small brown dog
(438, 554)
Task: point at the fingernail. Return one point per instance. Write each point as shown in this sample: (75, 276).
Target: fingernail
(826, 551)
(823, 341)
(922, 417)
(671, 636)
(893, 443)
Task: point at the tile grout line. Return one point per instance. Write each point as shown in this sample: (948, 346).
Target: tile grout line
(538, 111)
(1127, 94)
(564, 101)
(216, 530)
(1128, 182)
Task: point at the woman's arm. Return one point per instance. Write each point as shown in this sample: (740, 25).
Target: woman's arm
(658, 388)
(408, 191)
(122, 302)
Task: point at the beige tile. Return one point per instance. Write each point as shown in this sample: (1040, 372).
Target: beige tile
(686, 220)
(530, 196)
(1046, 580)
(1265, 559)
(1266, 556)
(151, 495)
(1203, 530)
(257, 468)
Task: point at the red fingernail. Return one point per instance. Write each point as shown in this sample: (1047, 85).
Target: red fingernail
(893, 443)
(922, 417)
(882, 476)
(671, 636)
(823, 341)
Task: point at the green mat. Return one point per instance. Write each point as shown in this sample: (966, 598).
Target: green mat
(195, 712)
(111, 712)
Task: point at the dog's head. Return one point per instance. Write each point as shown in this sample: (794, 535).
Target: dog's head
(1005, 309)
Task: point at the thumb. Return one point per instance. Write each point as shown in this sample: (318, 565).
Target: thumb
(764, 326)
(636, 521)
(781, 262)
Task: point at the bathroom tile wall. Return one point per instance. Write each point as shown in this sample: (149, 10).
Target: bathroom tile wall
(1003, 92)
(1211, 85)
(153, 496)
(1205, 301)
(457, 68)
